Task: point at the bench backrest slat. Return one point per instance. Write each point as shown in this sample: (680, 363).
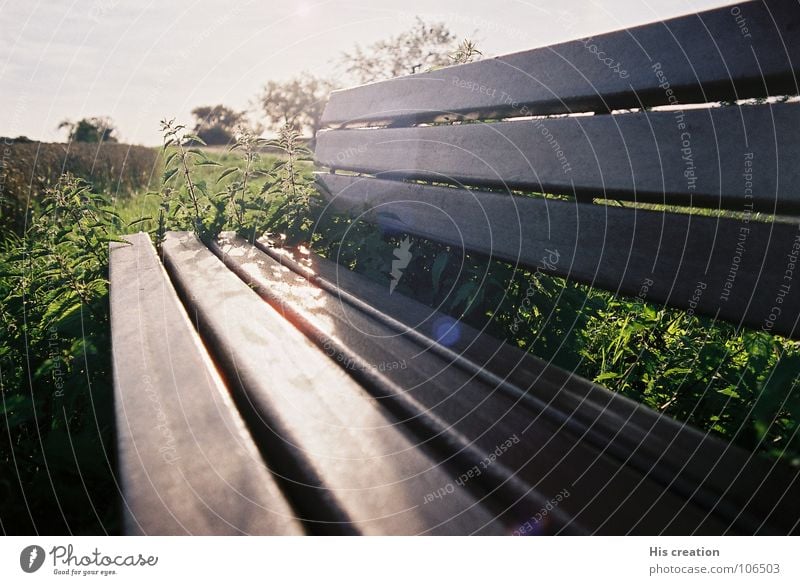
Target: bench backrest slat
(749, 50)
(693, 157)
(724, 268)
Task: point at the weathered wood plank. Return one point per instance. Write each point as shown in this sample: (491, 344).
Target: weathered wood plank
(353, 455)
(187, 465)
(551, 454)
(692, 59)
(735, 270)
(731, 158)
(763, 496)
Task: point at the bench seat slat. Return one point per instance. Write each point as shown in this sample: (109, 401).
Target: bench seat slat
(725, 268)
(665, 449)
(731, 158)
(187, 465)
(550, 455)
(702, 57)
(686, 460)
(353, 458)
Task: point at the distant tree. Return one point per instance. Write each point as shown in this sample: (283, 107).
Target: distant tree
(424, 46)
(298, 101)
(217, 124)
(96, 129)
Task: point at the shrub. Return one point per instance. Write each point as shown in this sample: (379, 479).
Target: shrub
(217, 124)
(27, 170)
(97, 129)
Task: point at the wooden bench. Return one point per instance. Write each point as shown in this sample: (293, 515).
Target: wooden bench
(260, 394)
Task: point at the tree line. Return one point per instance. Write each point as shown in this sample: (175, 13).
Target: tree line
(300, 101)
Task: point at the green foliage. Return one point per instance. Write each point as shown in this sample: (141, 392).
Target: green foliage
(217, 124)
(55, 369)
(253, 196)
(698, 371)
(299, 101)
(97, 129)
(29, 169)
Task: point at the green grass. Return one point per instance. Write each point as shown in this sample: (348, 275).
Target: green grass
(141, 208)
(28, 169)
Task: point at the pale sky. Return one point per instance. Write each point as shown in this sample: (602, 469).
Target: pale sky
(138, 61)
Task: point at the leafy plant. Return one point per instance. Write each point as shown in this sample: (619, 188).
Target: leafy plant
(55, 369)
(466, 52)
(255, 199)
(30, 168)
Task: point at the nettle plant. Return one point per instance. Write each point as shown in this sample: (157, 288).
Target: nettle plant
(55, 366)
(256, 196)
